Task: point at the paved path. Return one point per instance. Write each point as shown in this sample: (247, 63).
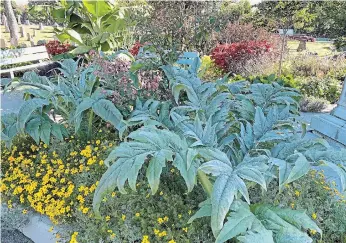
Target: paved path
(11, 102)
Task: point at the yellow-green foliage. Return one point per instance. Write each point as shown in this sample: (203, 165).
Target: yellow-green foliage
(208, 70)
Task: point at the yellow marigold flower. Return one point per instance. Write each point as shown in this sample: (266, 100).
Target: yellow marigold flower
(85, 210)
(108, 218)
(145, 239)
(113, 235)
(57, 236)
(314, 215)
(313, 231)
(297, 193)
(292, 205)
(98, 142)
(172, 170)
(165, 219)
(74, 237)
(123, 217)
(161, 193)
(101, 162)
(179, 216)
(25, 211)
(45, 145)
(110, 231)
(138, 214)
(190, 212)
(185, 229)
(51, 229)
(113, 194)
(156, 231)
(160, 220)
(162, 234)
(171, 241)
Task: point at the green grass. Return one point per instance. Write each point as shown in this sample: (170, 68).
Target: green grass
(46, 34)
(321, 48)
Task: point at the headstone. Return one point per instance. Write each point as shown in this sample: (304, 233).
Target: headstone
(333, 125)
(302, 46)
(22, 31)
(3, 43)
(4, 21)
(19, 20)
(29, 38)
(27, 22)
(41, 26)
(34, 33)
(32, 43)
(56, 24)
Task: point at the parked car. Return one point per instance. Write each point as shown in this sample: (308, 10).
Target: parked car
(303, 38)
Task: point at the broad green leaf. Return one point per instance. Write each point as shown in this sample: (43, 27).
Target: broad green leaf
(97, 8)
(300, 168)
(204, 211)
(33, 129)
(81, 50)
(27, 109)
(45, 130)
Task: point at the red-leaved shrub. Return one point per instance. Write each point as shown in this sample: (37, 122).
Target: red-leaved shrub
(241, 57)
(55, 47)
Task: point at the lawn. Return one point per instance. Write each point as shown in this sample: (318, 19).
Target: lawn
(322, 48)
(46, 34)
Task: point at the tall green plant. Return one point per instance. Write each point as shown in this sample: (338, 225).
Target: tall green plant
(100, 25)
(209, 139)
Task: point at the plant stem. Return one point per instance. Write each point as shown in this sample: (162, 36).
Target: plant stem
(90, 123)
(208, 187)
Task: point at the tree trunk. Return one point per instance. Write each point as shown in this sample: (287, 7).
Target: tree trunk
(12, 22)
(283, 43)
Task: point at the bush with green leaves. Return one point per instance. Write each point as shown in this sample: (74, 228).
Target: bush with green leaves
(101, 25)
(340, 43)
(325, 88)
(230, 138)
(78, 97)
(312, 104)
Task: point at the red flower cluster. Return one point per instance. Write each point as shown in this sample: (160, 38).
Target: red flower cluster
(135, 48)
(55, 47)
(240, 52)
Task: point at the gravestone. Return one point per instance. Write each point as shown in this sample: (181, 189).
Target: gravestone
(4, 21)
(19, 20)
(27, 22)
(22, 31)
(29, 38)
(41, 26)
(333, 125)
(34, 33)
(14, 42)
(302, 46)
(3, 43)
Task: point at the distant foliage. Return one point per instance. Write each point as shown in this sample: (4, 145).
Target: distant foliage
(312, 104)
(340, 43)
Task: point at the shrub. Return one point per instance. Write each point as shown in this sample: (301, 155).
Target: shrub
(208, 70)
(313, 104)
(309, 65)
(321, 201)
(55, 47)
(244, 32)
(243, 58)
(325, 88)
(340, 43)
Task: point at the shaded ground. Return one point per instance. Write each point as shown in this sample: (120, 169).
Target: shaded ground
(14, 236)
(321, 48)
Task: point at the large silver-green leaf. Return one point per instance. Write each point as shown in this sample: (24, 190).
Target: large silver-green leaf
(244, 223)
(130, 156)
(27, 109)
(204, 211)
(285, 223)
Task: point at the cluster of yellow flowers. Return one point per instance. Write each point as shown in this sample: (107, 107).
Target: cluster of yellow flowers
(40, 179)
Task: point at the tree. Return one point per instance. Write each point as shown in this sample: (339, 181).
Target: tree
(284, 15)
(12, 22)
